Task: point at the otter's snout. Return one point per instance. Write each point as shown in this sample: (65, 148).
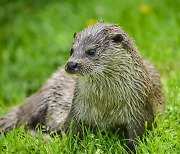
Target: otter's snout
(71, 67)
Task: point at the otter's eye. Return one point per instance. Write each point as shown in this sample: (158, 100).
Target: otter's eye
(91, 52)
(71, 52)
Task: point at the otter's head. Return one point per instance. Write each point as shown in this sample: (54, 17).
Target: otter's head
(94, 48)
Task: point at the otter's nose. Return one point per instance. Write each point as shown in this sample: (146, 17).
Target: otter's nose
(71, 66)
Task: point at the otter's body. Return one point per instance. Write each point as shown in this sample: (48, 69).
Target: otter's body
(114, 87)
(49, 106)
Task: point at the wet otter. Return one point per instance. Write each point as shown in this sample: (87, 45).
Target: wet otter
(113, 88)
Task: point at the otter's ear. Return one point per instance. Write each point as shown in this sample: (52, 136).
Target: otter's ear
(100, 21)
(117, 38)
(75, 34)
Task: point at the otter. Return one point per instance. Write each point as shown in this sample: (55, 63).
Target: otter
(106, 84)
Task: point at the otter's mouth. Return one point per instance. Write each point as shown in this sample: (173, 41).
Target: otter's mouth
(77, 71)
(73, 68)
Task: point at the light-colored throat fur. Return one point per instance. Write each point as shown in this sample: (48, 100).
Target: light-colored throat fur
(112, 97)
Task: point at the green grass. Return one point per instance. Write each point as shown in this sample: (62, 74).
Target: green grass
(35, 39)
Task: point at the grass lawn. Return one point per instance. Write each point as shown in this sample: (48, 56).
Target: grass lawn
(35, 38)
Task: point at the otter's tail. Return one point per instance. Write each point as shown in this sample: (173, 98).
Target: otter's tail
(8, 121)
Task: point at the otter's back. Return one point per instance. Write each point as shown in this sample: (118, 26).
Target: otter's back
(156, 96)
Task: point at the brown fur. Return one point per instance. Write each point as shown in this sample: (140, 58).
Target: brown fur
(49, 106)
(114, 89)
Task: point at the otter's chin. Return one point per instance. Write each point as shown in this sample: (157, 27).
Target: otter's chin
(69, 71)
(74, 72)
(78, 71)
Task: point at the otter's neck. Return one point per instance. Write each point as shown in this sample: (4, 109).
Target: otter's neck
(116, 83)
(121, 79)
